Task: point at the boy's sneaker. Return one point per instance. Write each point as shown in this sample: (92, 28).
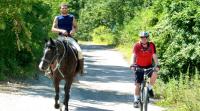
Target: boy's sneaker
(136, 104)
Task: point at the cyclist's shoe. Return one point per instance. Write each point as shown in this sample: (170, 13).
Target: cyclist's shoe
(136, 104)
(151, 93)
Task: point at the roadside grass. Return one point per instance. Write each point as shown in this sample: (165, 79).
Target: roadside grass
(19, 74)
(180, 94)
(126, 51)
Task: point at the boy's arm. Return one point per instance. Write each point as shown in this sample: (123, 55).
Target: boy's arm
(74, 27)
(55, 28)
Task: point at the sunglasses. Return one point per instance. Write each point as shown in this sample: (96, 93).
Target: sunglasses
(143, 37)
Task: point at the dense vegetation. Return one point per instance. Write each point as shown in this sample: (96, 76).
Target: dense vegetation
(174, 26)
(22, 27)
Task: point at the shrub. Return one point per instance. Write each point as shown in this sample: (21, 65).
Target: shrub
(104, 35)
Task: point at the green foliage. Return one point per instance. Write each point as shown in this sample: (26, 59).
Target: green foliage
(103, 35)
(24, 25)
(129, 35)
(112, 13)
(75, 7)
(24, 57)
(179, 38)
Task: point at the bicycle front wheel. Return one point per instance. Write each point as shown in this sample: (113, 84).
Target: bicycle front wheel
(142, 97)
(145, 98)
(141, 100)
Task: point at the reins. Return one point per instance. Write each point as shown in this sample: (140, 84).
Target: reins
(59, 62)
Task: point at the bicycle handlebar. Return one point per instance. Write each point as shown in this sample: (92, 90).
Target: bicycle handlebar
(144, 69)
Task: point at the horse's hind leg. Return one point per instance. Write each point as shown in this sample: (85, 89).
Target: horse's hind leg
(56, 85)
(67, 91)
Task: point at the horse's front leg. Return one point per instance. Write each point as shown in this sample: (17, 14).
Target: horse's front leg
(56, 86)
(67, 93)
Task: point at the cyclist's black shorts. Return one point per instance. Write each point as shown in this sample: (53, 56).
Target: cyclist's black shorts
(139, 74)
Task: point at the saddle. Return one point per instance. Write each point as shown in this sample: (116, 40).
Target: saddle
(80, 64)
(74, 49)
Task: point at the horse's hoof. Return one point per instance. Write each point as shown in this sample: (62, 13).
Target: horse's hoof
(57, 106)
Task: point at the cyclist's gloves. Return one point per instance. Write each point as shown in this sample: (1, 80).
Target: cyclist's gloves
(133, 67)
(158, 66)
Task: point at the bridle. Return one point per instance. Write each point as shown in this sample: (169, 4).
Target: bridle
(55, 57)
(51, 61)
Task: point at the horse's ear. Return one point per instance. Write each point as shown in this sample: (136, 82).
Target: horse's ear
(51, 40)
(45, 40)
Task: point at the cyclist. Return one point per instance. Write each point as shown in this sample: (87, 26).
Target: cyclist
(144, 53)
(65, 25)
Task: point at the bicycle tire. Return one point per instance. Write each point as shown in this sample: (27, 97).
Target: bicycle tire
(141, 97)
(146, 99)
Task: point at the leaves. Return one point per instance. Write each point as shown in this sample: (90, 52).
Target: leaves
(22, 27)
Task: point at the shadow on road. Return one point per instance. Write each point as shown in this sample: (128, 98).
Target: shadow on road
(86, 108)
(91, 95)
(106, 73)
(90, 109)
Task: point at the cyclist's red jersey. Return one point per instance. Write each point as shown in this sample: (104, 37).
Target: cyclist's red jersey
(144, 56)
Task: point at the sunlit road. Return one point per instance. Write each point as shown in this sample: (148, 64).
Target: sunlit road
(107, 86)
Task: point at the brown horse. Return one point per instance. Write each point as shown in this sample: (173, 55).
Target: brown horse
(61, 58)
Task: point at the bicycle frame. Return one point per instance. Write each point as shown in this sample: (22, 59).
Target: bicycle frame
(144, 96)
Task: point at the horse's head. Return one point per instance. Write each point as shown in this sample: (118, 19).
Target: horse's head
(49, 54)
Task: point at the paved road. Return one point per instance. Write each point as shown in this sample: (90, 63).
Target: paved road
(107, 86)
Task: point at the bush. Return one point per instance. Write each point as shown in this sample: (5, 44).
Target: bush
(177, 38)
(103, 35)
(24, 58)
(24, 25)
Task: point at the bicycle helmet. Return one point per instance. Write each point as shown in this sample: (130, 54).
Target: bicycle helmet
(143, 34)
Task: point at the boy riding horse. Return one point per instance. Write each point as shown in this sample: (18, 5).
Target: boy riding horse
(65, 25)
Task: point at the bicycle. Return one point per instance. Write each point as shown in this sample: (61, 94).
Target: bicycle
(144, 91)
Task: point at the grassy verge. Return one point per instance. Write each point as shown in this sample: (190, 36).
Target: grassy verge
(181, 94)
(126, 51)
